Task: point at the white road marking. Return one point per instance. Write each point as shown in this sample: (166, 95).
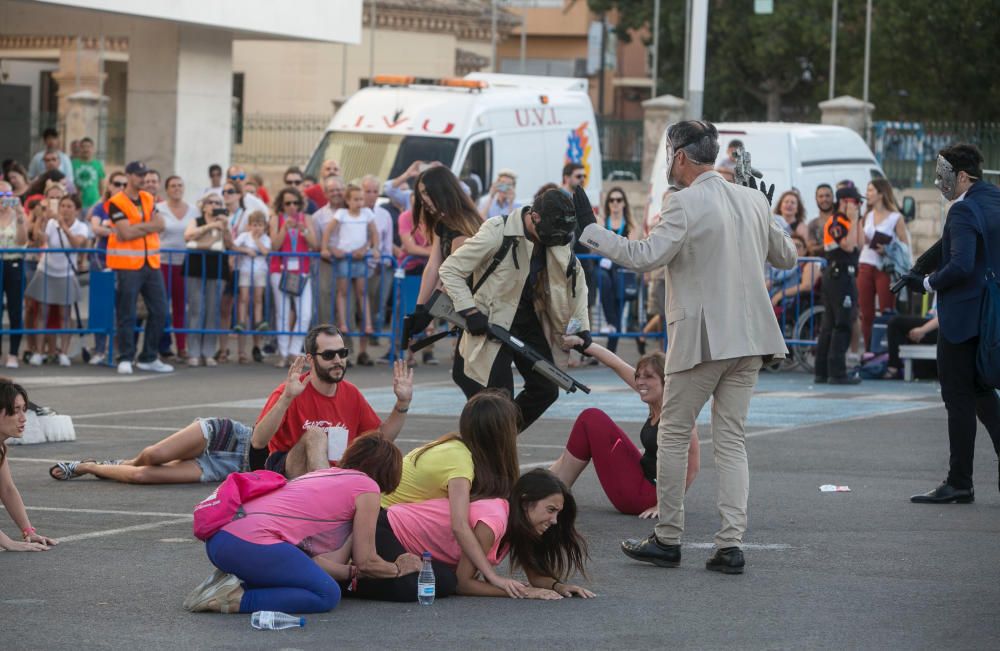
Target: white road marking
(114, 532)
(151, 428)
(58, 381)
(768, 547)
(176, 540)
(148, 514)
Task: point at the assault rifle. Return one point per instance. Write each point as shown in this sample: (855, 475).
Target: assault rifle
(929, 261)
(744, 174)
(440, 307)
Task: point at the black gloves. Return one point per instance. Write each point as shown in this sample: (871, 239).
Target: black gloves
(584, 211)
(915, 283)
(420, 319)
(838, 232)
(768, 194)
(476, 323)
(587, 340)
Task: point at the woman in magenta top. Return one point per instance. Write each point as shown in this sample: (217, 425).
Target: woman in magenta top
(288, 550)
(291, 231)
(535, 527)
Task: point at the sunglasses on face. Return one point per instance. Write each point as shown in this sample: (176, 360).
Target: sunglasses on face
(237, 177)
(293, 203)
(293, 181)
(330, 355)
(616, 200)
(579, 177)
(230, 191)
(118, 184)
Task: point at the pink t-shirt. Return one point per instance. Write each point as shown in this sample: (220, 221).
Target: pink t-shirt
(426, 527)
(292, 264)
(405, 225)
(314, 512)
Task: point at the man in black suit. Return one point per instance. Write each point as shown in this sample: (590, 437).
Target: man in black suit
(973, 220)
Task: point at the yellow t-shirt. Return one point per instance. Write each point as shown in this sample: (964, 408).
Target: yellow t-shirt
(428, 478)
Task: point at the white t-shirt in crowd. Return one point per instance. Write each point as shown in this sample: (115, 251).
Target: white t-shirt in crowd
(888, 226)
(383, 226)
(321, 218)
(172, 236)
(56, 263)
(258, 264)
(353, 232)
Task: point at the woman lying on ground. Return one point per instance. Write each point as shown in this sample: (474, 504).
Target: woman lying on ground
(626, 475)
(13, 404)
(475, 463)
(535, 526)
(292, 545)
(207, 450)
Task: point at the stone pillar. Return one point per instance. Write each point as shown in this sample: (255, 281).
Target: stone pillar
(658, 113)
(82, 117)
(180, 100)
(846, 111)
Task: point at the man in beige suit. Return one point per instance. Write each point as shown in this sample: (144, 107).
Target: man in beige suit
(714, 239)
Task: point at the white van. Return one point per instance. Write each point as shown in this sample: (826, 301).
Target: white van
(476, 125)
(790, 155)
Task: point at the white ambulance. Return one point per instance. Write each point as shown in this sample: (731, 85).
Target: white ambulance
(476, 125)
(790, 155)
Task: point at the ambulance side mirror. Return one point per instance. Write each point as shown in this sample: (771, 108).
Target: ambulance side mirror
(909, 209)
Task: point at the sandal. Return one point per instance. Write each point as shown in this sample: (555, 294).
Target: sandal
(68, 469)
(244, 359)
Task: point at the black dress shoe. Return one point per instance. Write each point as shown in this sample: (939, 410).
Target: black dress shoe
(847, 379)
(728, 560)
(820, 380)
(946, 494)
(651, 550)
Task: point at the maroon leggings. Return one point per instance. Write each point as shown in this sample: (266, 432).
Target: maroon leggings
(616, 460)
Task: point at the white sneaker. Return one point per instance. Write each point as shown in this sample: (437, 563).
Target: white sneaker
(64, 360)
(36, 359)
(12, 362)
(97, 359)
(124, 368)
(156, 366)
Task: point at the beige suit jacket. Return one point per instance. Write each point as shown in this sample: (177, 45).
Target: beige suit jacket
(714, 239)
(557, 303)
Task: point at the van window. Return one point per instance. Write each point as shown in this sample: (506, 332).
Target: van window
(384, 155)
(478, 166)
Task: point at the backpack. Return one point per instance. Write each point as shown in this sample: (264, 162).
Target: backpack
(225, 504)
(988, 352)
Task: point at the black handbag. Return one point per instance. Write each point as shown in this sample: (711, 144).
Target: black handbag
(292, 283)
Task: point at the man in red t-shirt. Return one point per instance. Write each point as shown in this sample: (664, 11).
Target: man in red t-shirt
(315, 192)
(313, 416)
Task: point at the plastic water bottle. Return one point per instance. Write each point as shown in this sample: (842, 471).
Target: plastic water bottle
(425, 582)
(272, 620)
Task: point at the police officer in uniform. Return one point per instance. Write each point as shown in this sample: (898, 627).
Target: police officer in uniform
(841, 244)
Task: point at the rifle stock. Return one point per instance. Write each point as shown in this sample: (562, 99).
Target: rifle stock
(929, 261)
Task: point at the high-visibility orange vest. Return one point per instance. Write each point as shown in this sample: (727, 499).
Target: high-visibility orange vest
(830, 244)
(131, 254)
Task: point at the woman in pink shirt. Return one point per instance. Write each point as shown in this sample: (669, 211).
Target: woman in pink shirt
(288, 550)
(535, 527)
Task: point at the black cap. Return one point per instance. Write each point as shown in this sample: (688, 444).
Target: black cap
(136, 167)
(849, 192)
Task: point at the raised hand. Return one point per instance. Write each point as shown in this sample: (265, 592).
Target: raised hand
(402, 381)
(295, 383)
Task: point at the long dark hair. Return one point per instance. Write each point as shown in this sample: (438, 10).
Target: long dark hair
(627, 210)
(488, 427)
(9, 391)
(885, 189)
(557, 552)
(452, 206)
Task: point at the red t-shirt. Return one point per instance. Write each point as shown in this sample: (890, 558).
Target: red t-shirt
(344, 416)
(315, 192)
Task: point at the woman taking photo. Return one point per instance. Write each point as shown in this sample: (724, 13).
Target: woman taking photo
(13, 405)
(177, 216)
(291, 232)
(232, 197)
(293, 544)
(207, 239)
(477, 462)
(882, 225)
(618, 219)
(626, 474)
(535, 526)
(13, 236)
(54, 283)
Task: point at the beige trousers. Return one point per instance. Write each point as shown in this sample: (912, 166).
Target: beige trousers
(730, 383)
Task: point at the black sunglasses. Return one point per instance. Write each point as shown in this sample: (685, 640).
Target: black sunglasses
(294, 182)
(119, 184)
(293, 203)
(230, 191)
(616, 200)
(330, 355)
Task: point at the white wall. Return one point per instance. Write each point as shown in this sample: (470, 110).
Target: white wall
(28, 73)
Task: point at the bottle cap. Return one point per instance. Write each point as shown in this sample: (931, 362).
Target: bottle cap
(426, 556)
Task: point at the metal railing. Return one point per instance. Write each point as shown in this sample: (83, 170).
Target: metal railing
(908, 151)
(276, 139)
(621, 148)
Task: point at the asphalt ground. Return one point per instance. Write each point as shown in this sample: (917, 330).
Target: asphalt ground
(849, 570)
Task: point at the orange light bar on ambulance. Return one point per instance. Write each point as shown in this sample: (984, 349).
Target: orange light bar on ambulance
(457, 82)
(393, 80)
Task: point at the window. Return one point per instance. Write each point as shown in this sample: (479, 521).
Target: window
(384, 155)
(477, 168)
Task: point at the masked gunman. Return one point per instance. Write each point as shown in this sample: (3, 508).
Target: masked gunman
(971, 237)
(518, 272)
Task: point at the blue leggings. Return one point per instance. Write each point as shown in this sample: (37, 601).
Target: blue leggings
(275, 577)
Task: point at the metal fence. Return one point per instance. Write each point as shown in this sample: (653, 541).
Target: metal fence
(109, 141)
(907, 150)
(621, 148)
(276, 139)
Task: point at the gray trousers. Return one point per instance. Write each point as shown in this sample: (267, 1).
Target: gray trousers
(203, 297)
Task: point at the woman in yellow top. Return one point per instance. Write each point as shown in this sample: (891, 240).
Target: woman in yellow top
(477, 462)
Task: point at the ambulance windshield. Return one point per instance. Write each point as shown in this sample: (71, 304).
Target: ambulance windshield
(384, 155)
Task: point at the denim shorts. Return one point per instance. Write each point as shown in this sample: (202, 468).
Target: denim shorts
(350, 268)
(227, 444)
